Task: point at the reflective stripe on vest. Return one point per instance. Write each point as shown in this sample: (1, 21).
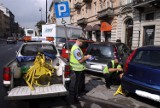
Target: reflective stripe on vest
(106, 70)
(74, 63)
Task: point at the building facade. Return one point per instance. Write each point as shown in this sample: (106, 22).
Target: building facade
(8, 26)
(51, 15)
(146, 26)
(134, 22)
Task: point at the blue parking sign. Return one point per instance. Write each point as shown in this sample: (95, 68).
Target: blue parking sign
(62, 9)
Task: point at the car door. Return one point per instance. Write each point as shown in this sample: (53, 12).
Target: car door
(145, 67)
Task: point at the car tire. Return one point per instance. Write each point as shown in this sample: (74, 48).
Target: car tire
(126, 93)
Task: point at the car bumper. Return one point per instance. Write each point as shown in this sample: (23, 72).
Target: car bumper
(141, 89)
(94, 70)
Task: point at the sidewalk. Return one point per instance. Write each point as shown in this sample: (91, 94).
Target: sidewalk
(97, 89)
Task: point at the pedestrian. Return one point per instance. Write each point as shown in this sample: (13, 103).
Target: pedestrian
(113, 72)
(118, 40)
(77, 60)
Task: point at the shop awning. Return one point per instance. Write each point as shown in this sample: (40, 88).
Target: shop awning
(105, 26)
(96, 27)
(88, 28)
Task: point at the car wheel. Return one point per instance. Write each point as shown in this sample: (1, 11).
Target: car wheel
(125, 93)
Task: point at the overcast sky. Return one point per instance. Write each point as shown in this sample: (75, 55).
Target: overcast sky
(27, 12)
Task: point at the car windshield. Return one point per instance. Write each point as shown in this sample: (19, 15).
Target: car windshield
(101, 51)
(33, 49)
(151, 58)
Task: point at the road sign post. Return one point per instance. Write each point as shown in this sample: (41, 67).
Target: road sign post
(62, 11)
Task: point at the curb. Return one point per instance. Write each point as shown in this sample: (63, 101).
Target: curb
(102, 101)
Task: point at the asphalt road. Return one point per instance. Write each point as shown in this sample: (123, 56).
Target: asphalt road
(7, 53)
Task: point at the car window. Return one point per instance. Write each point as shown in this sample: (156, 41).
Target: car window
(102, 51)
(151, 58)
(62, 40)
(33, 49)
(10, 37)
(123, 49)
(86, 44)
(70, 44)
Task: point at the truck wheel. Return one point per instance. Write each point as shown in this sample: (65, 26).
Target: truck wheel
(67, 84)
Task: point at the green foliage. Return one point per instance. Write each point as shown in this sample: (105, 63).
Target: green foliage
(39, 24)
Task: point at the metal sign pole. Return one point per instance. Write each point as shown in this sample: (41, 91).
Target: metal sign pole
(66, 35)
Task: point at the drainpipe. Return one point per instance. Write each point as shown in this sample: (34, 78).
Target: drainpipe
(140, 18)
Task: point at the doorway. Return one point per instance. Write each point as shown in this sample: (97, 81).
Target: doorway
(148, 38)
(129, 32)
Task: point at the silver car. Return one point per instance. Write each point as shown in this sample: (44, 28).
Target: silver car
(104, 53)
(11, 40)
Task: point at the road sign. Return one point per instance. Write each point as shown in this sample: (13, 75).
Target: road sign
(62, 9)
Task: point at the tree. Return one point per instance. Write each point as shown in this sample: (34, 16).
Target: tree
(39, 25)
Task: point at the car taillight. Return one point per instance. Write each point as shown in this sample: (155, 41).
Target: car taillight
(129, 59)
(67, 71)
(50, 39)
(27, 38)
(6, 74)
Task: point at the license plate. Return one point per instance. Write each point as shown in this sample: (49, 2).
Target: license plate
(148, 95)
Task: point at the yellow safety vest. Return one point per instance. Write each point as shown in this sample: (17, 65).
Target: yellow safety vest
(106, 70)
(74, 63)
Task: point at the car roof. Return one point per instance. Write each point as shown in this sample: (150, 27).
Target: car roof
(107, 43)
(74, 40)
(29, 43)
(150, 47)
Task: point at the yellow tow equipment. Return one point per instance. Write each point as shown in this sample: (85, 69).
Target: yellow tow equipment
(40, 73)
(119, 91)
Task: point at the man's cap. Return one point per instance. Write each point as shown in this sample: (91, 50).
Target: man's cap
(81, 39)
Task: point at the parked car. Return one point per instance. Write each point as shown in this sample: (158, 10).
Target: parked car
(104, 53)
(142, 71)
(60, 42)
(20, 38)
(11, 40)
(71, 42)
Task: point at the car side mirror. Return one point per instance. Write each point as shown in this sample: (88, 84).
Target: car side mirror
(17, 52)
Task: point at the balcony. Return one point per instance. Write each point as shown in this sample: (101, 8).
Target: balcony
(140, 4)
(82, 21)
(87, 1)
(108, 12)
(78, 5)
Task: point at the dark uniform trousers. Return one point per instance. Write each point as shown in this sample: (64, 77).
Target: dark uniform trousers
(112, 78)
(79, 83)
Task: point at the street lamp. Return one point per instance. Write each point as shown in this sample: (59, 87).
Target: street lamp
(40, 9)
(46, 11)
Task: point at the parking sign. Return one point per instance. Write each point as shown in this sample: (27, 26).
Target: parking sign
(62, 9)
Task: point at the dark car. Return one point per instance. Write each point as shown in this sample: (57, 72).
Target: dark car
(64, 52)
(11, 40)
(104, 53)
(142, 73)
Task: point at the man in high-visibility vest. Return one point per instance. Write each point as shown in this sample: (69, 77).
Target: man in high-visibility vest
(77, 60)
(113, 72)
